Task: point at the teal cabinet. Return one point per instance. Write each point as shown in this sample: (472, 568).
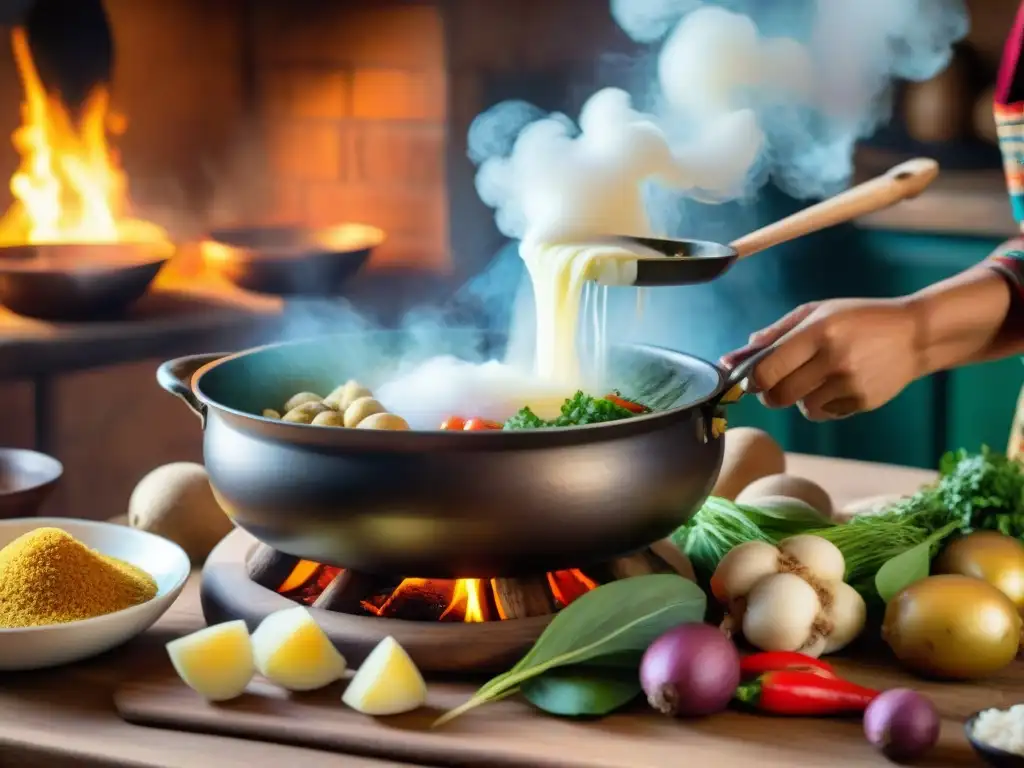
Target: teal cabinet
(963, 408)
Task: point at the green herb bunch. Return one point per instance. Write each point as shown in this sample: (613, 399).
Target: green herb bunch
(576, 410)
(883, 552)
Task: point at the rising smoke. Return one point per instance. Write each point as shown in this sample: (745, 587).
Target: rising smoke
(747, 92)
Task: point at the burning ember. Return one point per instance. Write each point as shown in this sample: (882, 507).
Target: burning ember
(465, 600)
(70, 186)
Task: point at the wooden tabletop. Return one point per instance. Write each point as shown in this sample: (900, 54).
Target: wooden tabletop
(66, 717)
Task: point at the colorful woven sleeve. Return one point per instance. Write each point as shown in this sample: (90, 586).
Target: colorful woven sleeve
(1009, 114)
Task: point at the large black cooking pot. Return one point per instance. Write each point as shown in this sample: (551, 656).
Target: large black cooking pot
(450, 504)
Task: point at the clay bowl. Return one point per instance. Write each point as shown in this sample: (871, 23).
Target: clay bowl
(291, 260)
(26, 480)
(78, 281)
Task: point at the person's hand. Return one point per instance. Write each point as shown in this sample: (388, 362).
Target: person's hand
(840, 357)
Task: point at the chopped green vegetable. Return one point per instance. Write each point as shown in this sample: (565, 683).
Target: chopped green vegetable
(576, 410)
(975, 490)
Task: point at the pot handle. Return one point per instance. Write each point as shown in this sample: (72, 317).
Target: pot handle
(175, 376)
(731, 390)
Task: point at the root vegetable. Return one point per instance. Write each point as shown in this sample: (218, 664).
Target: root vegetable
(691, 670)
(301, 398)
(305, 413)
(383, 421)
(270, 413)
(780, 614)
(820, 557)
(215, 662)
(388, 682)
(361, 409)
(741, 568)
(902, 723)
(342, 397)
(952, 627)
(291, 650)
(991, 557)
(750, 454)
(790, 486)
(328, 419)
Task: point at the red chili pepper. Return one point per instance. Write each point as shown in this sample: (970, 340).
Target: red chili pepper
(629, 405)
(476, 425)
(454, 422)
(773, 661)
(794, 692)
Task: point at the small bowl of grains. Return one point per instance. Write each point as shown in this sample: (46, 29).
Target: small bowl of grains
(72, 589)
(997, 735)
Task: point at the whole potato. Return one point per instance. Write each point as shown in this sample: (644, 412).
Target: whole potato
(301, 398)
(989, 556)
(176, 501)
(383, 421)
(305, 413)
(750, 454)
(791, 487)
(361, 409)
(329, 418)
(342, 397)
(952, 627)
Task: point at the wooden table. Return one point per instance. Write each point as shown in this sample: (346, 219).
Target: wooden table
(66, 717)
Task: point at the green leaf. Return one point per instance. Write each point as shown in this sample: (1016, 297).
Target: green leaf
(618, 618)
(582, 691)
(914, 564)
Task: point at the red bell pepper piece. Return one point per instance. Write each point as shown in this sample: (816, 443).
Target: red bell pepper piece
(794, 692)
(771, 661)
(629, 405)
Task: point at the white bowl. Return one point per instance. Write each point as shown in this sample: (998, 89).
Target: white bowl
(55, 644)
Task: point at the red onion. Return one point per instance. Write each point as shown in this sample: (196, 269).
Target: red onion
(902, 723)
(691, 670)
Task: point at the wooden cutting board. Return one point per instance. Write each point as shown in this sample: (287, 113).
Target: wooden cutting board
(511, 733)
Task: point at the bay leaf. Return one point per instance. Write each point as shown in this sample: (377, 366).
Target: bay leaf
(620, 617)
(582, 691)
(899, 572)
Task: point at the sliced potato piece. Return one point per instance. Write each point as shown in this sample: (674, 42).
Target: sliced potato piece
(291, 650)
(216, 662)
(388, 682)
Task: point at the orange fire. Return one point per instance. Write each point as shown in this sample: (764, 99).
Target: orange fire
(69, 186)
(467, 600)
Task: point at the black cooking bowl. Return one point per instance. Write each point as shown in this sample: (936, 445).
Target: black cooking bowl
(291, 261)
(78, 281)
(449, 504)
(27, 478)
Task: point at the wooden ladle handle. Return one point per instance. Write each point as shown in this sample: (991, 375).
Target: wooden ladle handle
(902, 182)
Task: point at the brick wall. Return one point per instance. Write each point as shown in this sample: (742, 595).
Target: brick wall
(352, 104)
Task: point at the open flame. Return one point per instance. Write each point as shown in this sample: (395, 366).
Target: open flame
(466, 600)
(69, 187)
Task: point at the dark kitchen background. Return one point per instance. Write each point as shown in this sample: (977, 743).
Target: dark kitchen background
(316, 111)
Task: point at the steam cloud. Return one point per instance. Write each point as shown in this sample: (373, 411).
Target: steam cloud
(746, 91)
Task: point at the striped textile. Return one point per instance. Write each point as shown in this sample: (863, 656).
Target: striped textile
(1009, 114)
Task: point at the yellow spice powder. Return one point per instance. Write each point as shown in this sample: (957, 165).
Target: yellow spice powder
(47, 576)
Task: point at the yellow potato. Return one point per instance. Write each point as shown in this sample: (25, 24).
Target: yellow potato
(216, 662)
(342, 397)
(384, 421)
(387, 683)
(329, 418)
(301, 399)
(305, 413)
(361, 409)
(270, 413)
(291, 650)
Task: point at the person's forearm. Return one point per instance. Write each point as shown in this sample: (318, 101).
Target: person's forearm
(966, 319)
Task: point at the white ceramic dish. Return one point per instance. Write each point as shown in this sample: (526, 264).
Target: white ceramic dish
(55, 644)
